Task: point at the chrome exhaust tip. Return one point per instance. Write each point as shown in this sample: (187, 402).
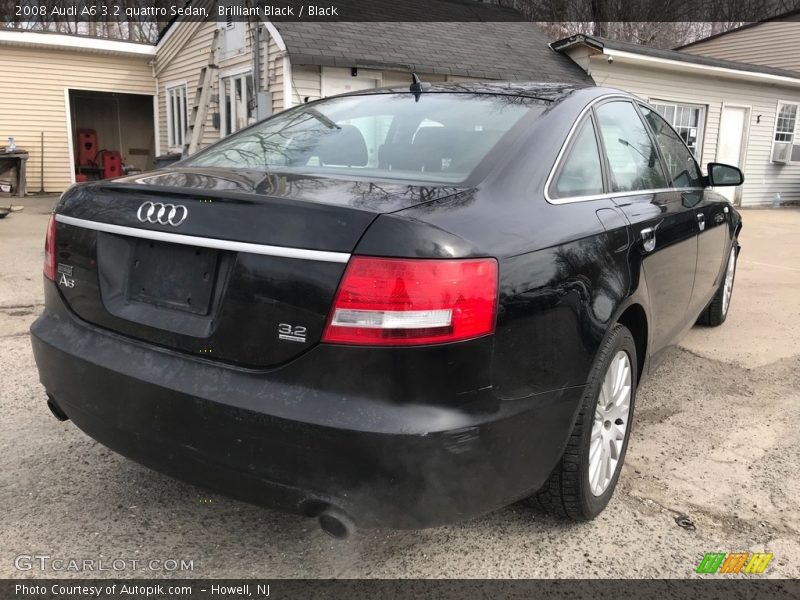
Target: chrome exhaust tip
(336, 523)
(56, 409)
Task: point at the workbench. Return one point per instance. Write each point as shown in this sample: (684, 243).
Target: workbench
(16, 160)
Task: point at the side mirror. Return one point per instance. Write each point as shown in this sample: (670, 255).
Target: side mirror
(719, 174)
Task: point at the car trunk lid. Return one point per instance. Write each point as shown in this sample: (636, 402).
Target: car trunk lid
(240, 267)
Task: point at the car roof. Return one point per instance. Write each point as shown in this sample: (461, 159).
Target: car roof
(551, 92)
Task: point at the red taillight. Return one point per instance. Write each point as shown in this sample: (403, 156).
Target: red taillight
(50, 250)
(389, 301)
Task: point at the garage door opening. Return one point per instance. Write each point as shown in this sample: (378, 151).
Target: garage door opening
(112, 134)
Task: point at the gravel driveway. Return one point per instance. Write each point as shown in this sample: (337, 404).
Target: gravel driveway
(715, 439)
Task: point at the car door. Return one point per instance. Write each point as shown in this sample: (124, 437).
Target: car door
(712, 245)
(663, 227)
(710, 209)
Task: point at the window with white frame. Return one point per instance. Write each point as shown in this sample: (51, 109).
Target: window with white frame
(176, 117)
(786, 122)
(236, 102)
(687, 119)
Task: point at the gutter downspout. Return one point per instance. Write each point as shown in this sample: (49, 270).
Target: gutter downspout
(257, 60)
(288, 83)
(156, 115)
(283, 56)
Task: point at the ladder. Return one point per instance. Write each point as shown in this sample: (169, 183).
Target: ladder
(197, 121)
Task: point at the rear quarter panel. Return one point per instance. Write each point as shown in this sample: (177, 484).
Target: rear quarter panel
(564, 278)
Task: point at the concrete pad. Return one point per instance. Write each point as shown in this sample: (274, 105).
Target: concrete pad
(21, 249)
(711, 440)
(763, 323)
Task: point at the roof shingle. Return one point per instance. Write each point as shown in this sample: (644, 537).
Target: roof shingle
(516, 51)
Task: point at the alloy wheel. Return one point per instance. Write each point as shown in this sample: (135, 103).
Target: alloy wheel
(727, 289)
(610, 424)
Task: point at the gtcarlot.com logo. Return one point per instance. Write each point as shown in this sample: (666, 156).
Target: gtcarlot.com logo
(734, 562)
(45, 562)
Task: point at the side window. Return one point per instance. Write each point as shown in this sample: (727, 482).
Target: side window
(632, 157)
(682, 170)
(581, 174)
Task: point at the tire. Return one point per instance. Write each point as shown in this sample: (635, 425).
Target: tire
(568, 492)
(716, 312)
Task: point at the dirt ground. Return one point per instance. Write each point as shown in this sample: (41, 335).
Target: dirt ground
(715, 439)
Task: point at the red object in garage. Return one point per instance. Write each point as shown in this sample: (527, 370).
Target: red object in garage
(81, 178)
(112, 164)
(87, 146)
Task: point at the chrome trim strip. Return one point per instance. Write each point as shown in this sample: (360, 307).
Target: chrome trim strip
(611, 195)
(190, 240)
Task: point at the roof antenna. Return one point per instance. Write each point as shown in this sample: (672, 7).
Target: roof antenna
(417, 86)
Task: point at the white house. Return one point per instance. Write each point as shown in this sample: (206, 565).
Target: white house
(730, 112)
(147, 100)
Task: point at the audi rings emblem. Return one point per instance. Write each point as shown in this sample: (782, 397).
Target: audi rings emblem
(163, 214)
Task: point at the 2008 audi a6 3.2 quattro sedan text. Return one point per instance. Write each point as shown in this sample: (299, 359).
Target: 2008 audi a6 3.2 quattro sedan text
(400, 307)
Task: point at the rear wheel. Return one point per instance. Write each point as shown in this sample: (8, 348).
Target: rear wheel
(717, 310)
(583, 482)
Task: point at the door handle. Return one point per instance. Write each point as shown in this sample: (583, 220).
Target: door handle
(649, 238)
(701, 221)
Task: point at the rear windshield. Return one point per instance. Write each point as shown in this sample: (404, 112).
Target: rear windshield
(438, 137)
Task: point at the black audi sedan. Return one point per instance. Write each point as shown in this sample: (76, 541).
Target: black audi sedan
(394, 308)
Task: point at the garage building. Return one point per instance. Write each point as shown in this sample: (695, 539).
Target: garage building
(54, 85)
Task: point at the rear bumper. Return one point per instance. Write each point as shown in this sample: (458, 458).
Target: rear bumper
(257, 437)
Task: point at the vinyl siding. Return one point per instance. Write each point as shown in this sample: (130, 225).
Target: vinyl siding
(274, 74)
(308, 79)
(763, 179)
(32, 100)
(185, 52)
(306, 83)
(772, 44)
(180, 59)
(180, 34)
